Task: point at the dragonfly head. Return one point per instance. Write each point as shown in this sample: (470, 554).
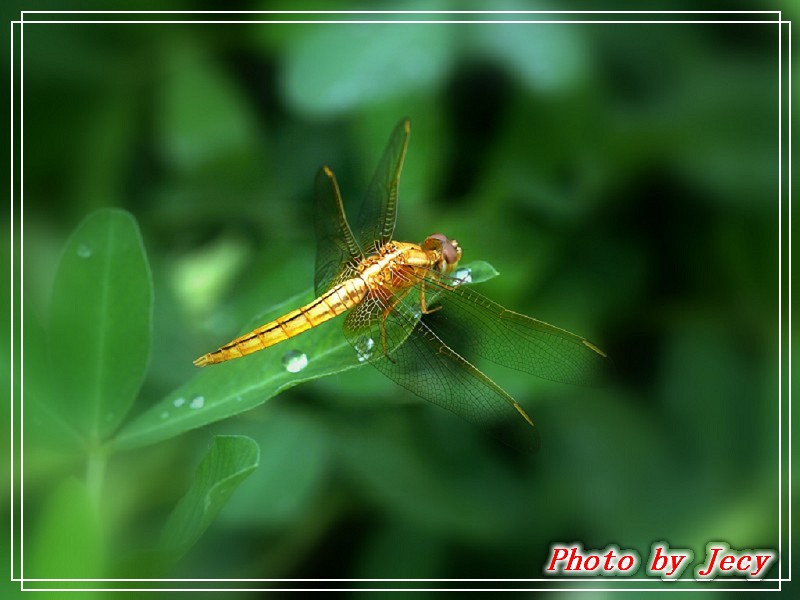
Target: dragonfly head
(448, 251)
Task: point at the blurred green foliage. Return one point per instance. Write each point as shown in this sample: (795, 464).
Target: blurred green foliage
(229, 461)
(621, 178)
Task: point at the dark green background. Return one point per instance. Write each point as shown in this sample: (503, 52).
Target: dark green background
(622, 178)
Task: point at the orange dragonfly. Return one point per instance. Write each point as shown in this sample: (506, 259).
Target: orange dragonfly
(408, 308)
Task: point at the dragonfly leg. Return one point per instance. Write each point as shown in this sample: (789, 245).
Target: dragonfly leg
(395, 301)
(422, 303)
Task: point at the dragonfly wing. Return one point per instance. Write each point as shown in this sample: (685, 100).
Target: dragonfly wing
(378, 214)
(420, 361)
(336, 246)
(476, 325)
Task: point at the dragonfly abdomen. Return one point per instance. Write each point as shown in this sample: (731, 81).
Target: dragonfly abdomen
(329, 305)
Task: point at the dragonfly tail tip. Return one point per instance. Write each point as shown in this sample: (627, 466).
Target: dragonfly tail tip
(591, 346)
(524, 415)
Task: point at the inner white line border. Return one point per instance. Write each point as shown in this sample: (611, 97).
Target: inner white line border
(408, 12)
(21, 22)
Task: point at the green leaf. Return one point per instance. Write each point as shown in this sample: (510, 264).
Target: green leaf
(67, 540)
(45, 426)
(479, 271)
(231, 459)
(100, 317)
(232, 387)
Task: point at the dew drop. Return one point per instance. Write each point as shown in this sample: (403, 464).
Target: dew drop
(178, 402)
(197, 402)
(84, 251)
(364, 347)
(295, 361)
(164, 415)
(463, 276)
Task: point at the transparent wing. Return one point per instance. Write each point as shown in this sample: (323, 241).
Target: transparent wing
(476, 325)
(378, 214)
(336, 246)
(419, 360)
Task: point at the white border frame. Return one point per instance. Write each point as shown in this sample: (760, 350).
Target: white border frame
(682, 584)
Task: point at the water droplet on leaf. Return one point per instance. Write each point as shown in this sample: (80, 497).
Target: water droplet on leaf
(84, 251)
(178, 402)
(364, 347)
(197, 402)
(295, 361)
(463, 276)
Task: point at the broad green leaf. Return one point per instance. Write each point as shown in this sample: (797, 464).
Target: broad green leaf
(67, 540)
(220, 391)
(231, 459)
(45, 426)
(478, 271)
(100, 317)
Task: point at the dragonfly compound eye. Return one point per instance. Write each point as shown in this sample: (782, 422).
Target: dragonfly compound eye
(450, 250)
(450, 253)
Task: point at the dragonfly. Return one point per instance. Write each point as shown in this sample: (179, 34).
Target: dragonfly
(411, 315)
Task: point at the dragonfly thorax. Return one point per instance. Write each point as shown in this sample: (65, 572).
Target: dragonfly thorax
(380, 269)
